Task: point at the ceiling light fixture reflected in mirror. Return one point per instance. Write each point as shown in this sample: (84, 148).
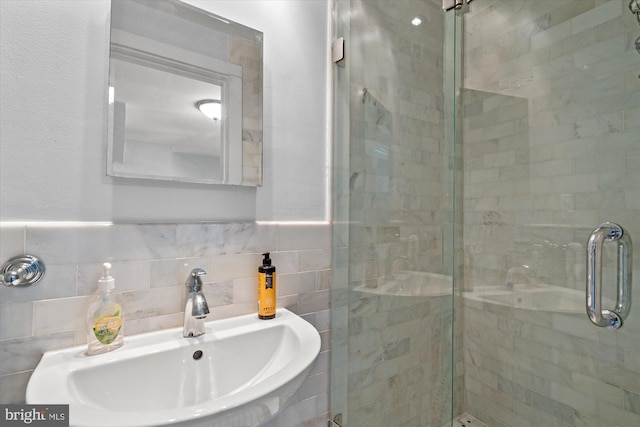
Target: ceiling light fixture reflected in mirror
(211, 108)
(417, 20)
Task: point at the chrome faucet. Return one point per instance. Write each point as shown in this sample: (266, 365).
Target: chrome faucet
(196, 308)
(520, 275)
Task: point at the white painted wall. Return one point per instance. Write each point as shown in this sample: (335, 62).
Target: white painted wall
(53, 79)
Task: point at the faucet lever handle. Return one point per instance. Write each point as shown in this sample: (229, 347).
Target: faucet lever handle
(194, 280)
(198, 272)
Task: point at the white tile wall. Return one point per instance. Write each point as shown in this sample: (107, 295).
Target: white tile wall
(548, 155)
(392, 353)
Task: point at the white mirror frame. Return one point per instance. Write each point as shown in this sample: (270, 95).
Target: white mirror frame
(157, 55)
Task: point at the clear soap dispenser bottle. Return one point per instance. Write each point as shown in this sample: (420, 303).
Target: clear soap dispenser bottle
(104, 317)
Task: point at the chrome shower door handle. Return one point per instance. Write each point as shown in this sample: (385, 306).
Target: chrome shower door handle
(613, 318)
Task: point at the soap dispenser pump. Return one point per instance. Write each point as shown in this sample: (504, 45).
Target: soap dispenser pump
(104, 317)
(266, 289)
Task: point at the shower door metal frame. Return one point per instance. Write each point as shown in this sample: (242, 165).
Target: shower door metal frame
(454, 4)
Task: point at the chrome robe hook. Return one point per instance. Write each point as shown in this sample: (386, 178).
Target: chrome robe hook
(23, 270)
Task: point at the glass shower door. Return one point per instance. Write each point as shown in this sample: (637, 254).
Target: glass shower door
(550, 117)
(392, 304)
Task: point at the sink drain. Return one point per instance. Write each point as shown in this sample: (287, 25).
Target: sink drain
(197, 354)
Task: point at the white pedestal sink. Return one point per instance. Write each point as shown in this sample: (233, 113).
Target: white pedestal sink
(240, 373)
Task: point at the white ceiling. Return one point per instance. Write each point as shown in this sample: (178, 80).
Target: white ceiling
(160, 108)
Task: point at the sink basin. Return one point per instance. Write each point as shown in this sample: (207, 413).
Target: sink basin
(240, 373)
(411, 284)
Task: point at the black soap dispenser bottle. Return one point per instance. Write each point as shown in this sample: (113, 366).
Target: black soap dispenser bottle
(266, 289)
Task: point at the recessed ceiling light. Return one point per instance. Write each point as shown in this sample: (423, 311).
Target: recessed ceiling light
(417, 20)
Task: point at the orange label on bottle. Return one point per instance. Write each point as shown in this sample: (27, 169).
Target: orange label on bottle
(266, 294)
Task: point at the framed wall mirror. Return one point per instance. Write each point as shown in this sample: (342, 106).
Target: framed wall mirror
(185, 95)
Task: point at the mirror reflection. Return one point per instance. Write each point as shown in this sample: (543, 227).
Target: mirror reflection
(185, 95)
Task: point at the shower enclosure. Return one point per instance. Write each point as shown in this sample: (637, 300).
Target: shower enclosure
(475, 154)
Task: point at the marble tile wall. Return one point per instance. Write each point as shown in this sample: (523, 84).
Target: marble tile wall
(400, 360)
(551, 96)
(150, 264)
(392, 363)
